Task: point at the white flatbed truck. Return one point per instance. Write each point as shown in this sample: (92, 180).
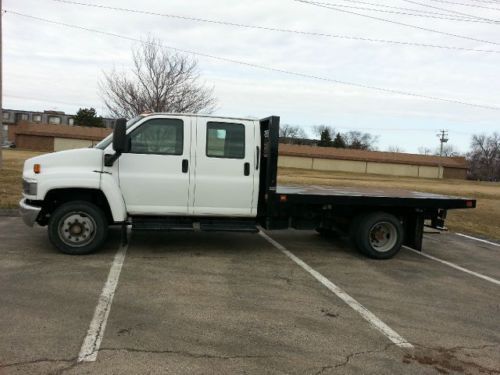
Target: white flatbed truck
(179, 172)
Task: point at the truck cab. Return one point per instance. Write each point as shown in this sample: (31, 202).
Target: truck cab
(170, 166)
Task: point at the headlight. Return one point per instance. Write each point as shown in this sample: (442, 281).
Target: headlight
(30, 187)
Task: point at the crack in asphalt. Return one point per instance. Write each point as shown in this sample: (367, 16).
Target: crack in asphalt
(73, 361)
(36, 361)
(350, 356)
(186, 353)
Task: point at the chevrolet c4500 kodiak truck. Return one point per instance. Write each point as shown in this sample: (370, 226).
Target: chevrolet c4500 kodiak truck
(178, 172)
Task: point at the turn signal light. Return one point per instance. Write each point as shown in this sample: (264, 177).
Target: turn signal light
(469, 204)
(37, 168)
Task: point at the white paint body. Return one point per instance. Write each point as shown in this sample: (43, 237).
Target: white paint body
(154, 184)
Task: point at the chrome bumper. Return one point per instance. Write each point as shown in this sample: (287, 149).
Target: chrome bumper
(28, 213)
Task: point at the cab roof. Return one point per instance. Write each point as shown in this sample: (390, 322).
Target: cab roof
(199, 115)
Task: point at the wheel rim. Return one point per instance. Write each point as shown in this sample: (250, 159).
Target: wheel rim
(383, 236)
(77, 229)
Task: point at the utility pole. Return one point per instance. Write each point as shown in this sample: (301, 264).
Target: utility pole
(443, 138)
(1, 87)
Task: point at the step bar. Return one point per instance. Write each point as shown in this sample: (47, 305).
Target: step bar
(151, 223)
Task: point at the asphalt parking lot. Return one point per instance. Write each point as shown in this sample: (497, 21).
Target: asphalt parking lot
(237, 303)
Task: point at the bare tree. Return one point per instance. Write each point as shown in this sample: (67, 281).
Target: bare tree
(291, 131)
(291, 134)
(159, 81)
(448, 151)
(484, 158)
(424, 150)
(360, 141)
(395, 149)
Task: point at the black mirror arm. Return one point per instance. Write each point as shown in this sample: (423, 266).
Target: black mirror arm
(109, 159)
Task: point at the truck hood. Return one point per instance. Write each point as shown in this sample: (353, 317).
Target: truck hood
(83, 159)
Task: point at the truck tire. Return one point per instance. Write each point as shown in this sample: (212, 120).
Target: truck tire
(379, 235)
(78, 228)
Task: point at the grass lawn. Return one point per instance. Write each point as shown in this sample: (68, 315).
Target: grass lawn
(483, 221)
(11, 174)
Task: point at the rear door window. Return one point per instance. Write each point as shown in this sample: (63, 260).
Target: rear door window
(225, 140)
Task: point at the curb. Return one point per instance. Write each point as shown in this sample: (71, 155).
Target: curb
(9, 212)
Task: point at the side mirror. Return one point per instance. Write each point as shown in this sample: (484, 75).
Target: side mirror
(120, 136)
(119, 142)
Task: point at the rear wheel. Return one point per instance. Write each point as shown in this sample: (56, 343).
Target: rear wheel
(379, 235)
(78, 228)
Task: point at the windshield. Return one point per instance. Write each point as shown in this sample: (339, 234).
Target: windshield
(106, 141)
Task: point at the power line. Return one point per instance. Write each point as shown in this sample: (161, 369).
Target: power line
(346, 37)
(398, 8)
(487, 2)
(397, 23)
(407, 13)
(263, 67)
(440, 16)
(466, 5)
(451, 11)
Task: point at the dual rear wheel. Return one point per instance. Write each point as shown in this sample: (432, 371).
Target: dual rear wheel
(378, 235)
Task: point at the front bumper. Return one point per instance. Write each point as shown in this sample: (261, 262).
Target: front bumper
(28, 213)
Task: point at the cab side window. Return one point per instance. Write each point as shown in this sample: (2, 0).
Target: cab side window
(158, 136)
(225, 140)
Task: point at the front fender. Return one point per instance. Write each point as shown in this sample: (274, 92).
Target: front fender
(65, 178)
(114, 196)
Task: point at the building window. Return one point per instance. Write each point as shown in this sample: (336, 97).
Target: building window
(5, 115)
(37, 118)
(54, 120)
(23, 117)
(225, 140)
(71, 121)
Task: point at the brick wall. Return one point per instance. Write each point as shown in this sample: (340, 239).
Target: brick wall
(40, 137)
(34, 142)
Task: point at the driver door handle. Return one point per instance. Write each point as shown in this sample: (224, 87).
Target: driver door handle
(185, 166)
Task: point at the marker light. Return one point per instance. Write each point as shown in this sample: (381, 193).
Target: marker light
(37, 168)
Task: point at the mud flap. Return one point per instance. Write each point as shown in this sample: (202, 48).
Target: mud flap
(414, 231)
(124, 238)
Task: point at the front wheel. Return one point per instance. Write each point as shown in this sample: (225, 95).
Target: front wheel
(379, 235)
(78, 228)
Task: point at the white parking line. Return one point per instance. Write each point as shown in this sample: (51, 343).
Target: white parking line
(455, 266)
(355, 305)
(95, 333)
(478, 239)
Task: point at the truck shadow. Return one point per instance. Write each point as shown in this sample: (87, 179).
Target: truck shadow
(197, 243)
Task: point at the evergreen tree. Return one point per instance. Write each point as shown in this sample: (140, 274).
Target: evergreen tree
(88, 117)
(326, 139)
(339, 141)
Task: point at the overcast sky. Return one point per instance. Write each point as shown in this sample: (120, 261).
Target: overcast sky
(47, 66)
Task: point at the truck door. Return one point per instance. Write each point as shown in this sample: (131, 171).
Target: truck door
(154, 175)
(225, 160)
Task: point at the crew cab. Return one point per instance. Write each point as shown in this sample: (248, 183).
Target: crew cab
(181, 172)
